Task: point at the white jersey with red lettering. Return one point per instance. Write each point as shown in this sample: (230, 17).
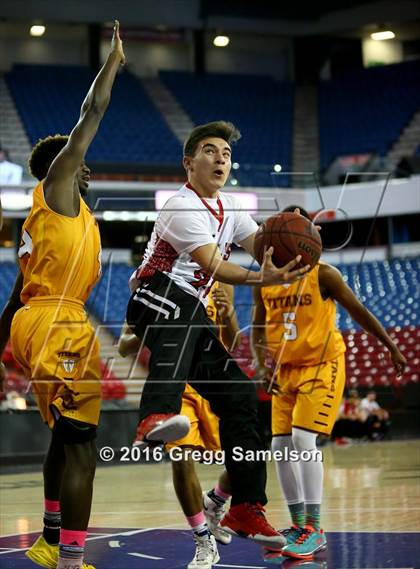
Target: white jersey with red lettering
(188, 221)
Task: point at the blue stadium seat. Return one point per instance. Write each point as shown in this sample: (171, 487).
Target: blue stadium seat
(261, 107)
(390, 289)
(366, 111)
(48, 99)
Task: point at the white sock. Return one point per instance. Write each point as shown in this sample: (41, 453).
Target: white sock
(312, 471)
(69, 563)
(288, 473)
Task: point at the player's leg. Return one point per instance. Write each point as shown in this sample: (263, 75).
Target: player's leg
(214, 503)
(170, 327)
(67, 387)
(76, 497)
(315, 411)
(53, 469)
(187, 485)
(288, 471)
(69, 470)
(232, 397)
(44, 551)
(188, 490)
(214, 500)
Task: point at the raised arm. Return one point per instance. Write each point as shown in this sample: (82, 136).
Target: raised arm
(332, 285)
(59, 183)
(6, 318)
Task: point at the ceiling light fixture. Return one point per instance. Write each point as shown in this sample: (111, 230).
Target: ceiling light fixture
(37, 30)
(221, 41)
(380, 36)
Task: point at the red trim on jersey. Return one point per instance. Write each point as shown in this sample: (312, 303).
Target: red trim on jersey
(219, 216)
(162, 259)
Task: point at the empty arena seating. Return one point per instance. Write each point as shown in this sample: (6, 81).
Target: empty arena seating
(361, 113)
(366, 111)
(48, 99)
(261, 107)
(390, 289)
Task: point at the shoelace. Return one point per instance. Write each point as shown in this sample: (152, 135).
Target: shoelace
(294, 529)
(203, 544)
(305, 533)
(258, 512)
(257, 509)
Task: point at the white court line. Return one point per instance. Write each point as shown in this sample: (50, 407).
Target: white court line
(100, 536)
(182, 526)
(241, 566)
(146, 556)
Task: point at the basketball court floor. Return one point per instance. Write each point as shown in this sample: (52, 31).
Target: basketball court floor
(371, 514)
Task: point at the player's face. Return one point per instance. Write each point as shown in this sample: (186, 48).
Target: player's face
(211, 163)
(83, 177)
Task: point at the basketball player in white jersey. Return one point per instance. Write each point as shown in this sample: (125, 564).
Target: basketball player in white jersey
(188, 250)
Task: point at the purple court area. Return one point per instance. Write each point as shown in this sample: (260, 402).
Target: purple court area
(117, 548)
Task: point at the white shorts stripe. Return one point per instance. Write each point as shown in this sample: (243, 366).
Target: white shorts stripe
(158, 297)
(153, 306)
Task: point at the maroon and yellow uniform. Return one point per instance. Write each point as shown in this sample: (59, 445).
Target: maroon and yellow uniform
(51, 336)
(308, 352)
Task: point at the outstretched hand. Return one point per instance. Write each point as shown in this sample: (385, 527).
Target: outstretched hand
(399, 361)
(116, 43)
(270, 274)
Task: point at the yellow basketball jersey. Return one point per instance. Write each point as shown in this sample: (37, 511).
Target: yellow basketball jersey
(300, 324)
(58, 255)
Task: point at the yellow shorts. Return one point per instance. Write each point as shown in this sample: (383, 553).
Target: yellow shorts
(204, 431)
(54, 342)
(310, 397)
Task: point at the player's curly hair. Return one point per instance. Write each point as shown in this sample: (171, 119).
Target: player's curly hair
(219, 129)
(43, 153)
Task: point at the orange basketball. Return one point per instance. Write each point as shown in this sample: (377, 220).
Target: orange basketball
(290, 234)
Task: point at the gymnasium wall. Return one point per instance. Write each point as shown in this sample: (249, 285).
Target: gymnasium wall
(68, 45)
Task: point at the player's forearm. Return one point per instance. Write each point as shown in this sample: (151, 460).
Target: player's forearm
(258, 344)
(233, 274)
(371, 325)
(99, 93)
(229, 331)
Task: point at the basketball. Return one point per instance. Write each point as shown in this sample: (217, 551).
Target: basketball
(290, 234)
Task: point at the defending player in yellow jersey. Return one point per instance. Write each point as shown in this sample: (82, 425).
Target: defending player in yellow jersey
(203, 510)
(295, 325)
(52, 339)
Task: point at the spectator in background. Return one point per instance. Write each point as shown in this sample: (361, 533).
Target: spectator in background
(10, 173)
(377, 420)
(351, 419)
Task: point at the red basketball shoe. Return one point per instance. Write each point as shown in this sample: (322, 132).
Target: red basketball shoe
(248, 521)
(161, 428)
